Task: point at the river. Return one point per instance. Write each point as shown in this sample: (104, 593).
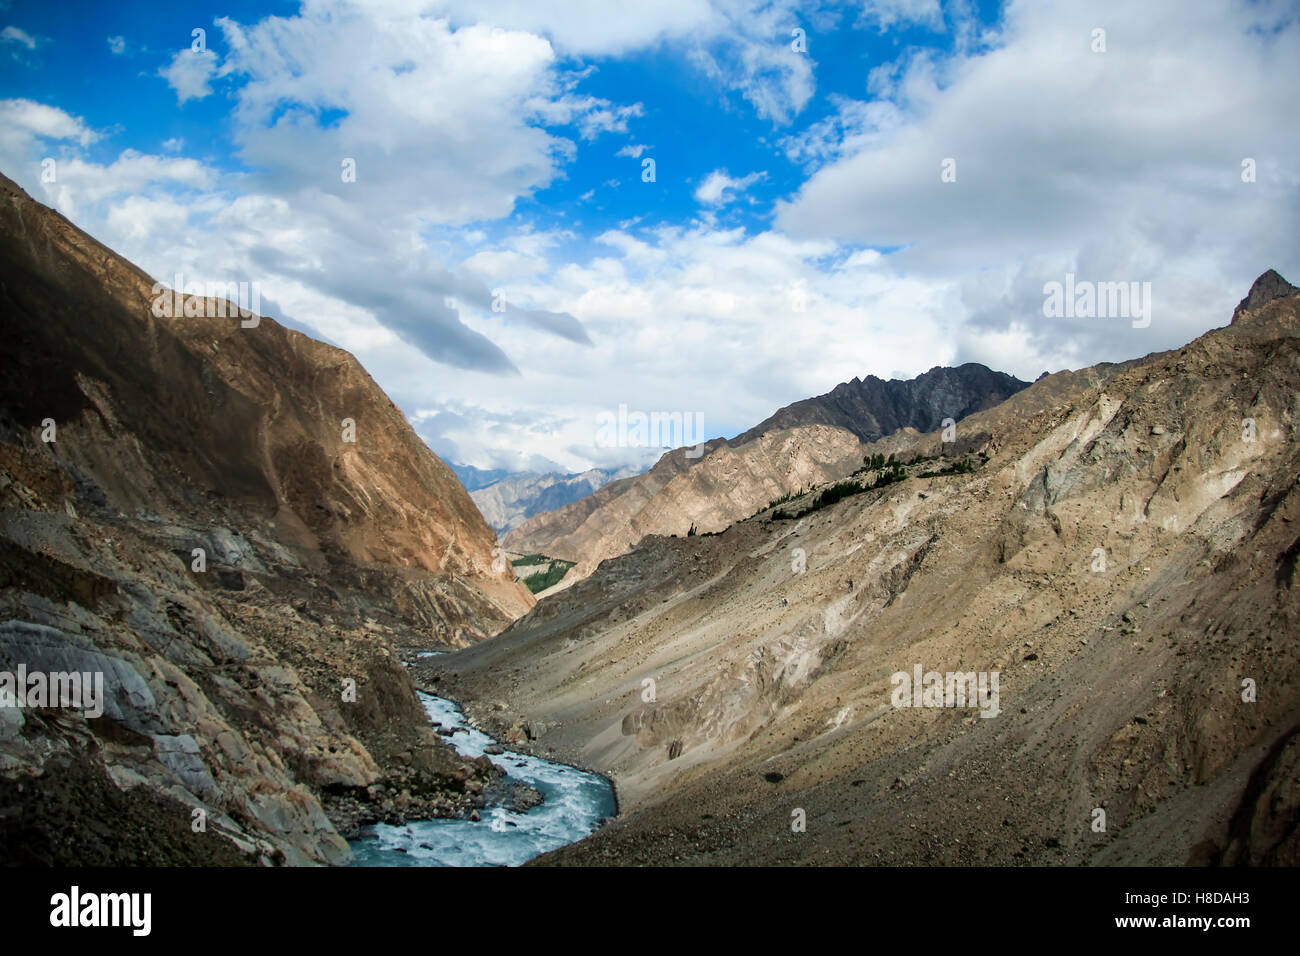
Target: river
(576, 803)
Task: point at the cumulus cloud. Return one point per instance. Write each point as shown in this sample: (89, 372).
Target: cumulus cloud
(744, 46)
(445, 124)
(190, 74)
(719, 188)
(1122, 165)
(439, 126)
(586, 27)
(23, 121)
(117, 45)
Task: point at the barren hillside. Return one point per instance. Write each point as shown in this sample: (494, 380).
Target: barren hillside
(1124, 561)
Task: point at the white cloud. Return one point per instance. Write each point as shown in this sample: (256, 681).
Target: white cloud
(719, 188)
(443, 124)
(1122, 165)
(13, 35)
(744, 46)
(20, 46)
(190, 74)
(444, 128)
(854, 126)
(753, 53)
(632, 150)
(588, 27)
(117, 45)
(693, 320)
(22, 120)
(138, 217)
(602, 118)
(892, 13)
(30, 133)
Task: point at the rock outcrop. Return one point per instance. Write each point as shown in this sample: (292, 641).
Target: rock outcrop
(182, 511)
(1264, 290)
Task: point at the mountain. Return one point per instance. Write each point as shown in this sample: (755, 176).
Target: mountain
(475, 478)
(1117, 546)
(507, 502)
(809, 442)
(235, 526)
(872, 408)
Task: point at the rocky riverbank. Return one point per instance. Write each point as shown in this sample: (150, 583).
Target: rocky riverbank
(539, 806)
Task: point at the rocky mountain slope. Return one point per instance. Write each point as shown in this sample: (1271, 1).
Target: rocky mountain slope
(812, 441)
(508, 502)
(1124, 559)
(181, 509)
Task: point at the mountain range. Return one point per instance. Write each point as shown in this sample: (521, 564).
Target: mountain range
(809, 442)
(507, 499)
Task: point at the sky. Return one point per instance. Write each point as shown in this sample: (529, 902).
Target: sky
(522, 215)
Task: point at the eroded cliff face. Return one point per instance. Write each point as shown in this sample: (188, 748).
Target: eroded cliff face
(807, 443)
(181, 510)
(1124, 560)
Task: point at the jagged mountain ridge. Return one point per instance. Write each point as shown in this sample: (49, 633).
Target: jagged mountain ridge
(872, 408)
(1161, 685)
(321, 555)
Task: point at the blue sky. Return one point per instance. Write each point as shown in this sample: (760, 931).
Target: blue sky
(797, 232)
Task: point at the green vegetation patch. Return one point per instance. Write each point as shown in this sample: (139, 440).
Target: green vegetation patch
(887, 472)
(548, 578)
